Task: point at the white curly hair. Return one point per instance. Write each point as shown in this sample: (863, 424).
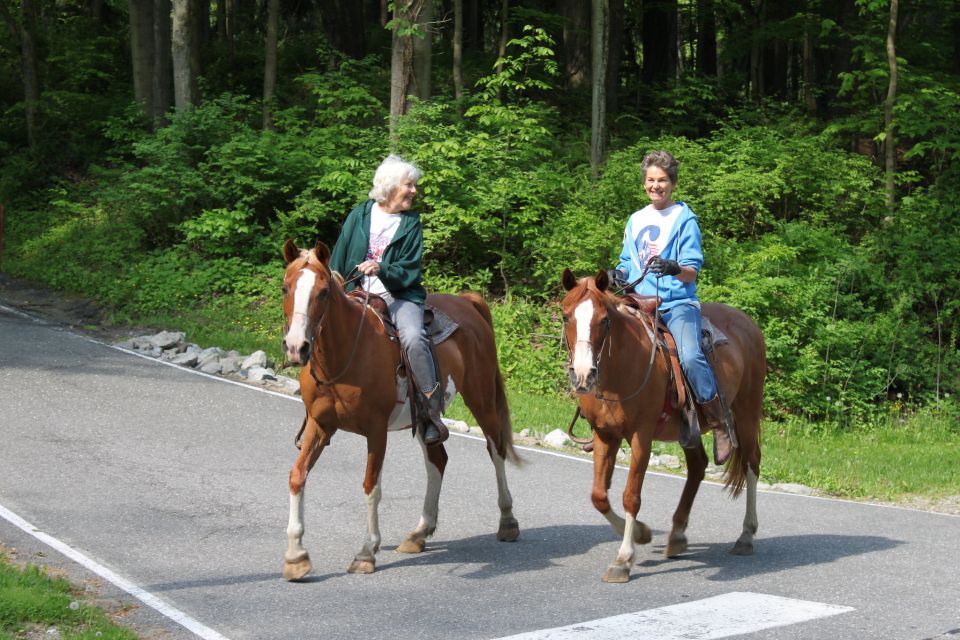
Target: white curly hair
(390, 174)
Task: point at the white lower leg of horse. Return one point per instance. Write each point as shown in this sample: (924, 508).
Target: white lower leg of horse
(295, 548)
(372, 544)
(504, 499)
(625, 554)
(615, 521)
(431, 499)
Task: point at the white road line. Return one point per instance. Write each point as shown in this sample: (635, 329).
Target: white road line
(730, 614)
(148, 599)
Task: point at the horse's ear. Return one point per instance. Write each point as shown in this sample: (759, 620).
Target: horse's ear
(569, 280)
(290, 251)
(602, 280)
(322, 251)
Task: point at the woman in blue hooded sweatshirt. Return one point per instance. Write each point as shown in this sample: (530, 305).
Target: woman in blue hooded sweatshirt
(665, 236)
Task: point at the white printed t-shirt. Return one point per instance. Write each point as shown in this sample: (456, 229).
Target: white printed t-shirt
(652, 228)
(383, 226)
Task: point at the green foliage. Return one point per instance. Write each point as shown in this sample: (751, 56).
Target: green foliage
(529, 346)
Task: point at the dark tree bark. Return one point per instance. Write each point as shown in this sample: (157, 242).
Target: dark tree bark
(142, 53)
(889, 141)
(473, 26)
(423, 51)
(343, 25)
(162, 62)
(809, 82)
(575, 48)
(600, 56)
(270, 62)
(616, 30)
(707, 37)
(458, 49)
(659, 36)
(184, 83)
(31, 78)
(405, 13)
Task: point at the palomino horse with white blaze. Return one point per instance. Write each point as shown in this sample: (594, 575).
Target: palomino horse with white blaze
(350, 380)
(614, 354)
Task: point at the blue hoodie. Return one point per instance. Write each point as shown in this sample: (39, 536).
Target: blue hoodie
(682, 245)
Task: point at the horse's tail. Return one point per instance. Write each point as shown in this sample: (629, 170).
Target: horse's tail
(503, 407)
(735, 476)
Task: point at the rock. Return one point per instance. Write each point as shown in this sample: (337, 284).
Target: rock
(211, 365)
(166, 339)
(670, 461)
(230, 364)
(255, 359)
(457, 425)
(789, 487)
(185, 359)
(557, 438)
(259, 374)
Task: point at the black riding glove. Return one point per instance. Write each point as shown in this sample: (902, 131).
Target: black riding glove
(618, 277)
(663, 267)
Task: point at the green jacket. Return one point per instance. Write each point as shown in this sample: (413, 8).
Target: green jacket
(400, 266)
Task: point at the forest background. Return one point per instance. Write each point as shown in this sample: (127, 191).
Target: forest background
(155, 154)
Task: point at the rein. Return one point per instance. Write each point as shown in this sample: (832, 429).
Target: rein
(356, 340)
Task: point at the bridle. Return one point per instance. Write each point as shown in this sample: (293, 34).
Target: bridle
(606, 342)
(316, 338)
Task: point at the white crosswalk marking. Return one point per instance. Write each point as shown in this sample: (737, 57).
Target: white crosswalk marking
(730, 614)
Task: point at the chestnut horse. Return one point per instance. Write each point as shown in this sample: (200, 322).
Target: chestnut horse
(350, 381)
(611, 356)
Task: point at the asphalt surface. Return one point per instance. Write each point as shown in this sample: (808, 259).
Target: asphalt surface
(177, 483)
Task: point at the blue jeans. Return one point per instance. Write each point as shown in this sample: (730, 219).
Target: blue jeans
(685, 324)
(408, 316)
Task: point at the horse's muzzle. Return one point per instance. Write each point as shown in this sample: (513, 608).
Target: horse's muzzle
(297, 354)
(582, 383)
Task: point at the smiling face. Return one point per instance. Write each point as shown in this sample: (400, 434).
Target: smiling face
(401, 198)
(659, 187)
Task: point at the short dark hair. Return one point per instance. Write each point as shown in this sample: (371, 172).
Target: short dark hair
(663, 160)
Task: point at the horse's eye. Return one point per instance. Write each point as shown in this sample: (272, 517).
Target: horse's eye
(322, 294)
(566, 318)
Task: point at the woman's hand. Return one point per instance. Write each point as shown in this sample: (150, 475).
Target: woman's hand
(369, 267)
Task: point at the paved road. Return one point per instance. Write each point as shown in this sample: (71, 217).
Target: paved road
(176, 483)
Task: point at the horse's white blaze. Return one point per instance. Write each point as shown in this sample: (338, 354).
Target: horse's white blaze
(297, 334)
(583, 351)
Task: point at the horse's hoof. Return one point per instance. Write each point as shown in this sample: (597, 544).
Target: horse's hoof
(617, 574)
(742, 548)
(296, 570)
(361, 566)
(412, 545)
(642, 534)
(675, 546)
(509, 531)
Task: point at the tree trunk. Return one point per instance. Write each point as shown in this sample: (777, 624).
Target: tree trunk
(343, 26)
(504, 36)
(270, 63)
(576, 47)
(890, 144)
(707, 38)
(423, 51)
(31, 79)
(162, 63)
(401, 60)
(659, 35)
(615, 30)
(600, 57)
(809, 66)
(141, 53)
(458, 49)
(180, 45)
(196, 46)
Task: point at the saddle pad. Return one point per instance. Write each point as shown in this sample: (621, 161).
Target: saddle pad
(438, 325)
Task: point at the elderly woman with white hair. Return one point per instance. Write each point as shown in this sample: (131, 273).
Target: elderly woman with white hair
(383, 240)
